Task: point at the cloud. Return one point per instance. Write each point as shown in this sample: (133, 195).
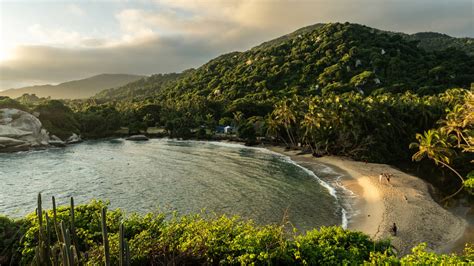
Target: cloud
(55, 36)
(75, 10)
(177, 34)
(46, 64)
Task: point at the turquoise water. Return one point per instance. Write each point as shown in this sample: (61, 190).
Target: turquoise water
(169, 175)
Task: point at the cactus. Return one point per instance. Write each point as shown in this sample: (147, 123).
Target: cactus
(55, 251)
(121, 245)
(68, 257)
(73, 231)
(48, 237)
(66, 251)
(64, 255)
(104, 237)
(39, 211)
(127, 254)
(124, 254)
(41, 250)
(55, 221)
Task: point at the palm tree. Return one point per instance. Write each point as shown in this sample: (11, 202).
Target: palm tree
(434, 145)
(284, 115)
(238, 117)
(454, 123)
(272, 128)
(310, 124)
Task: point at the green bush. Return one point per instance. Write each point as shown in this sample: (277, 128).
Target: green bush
(192, 239)
(57, 118)
(10, 234)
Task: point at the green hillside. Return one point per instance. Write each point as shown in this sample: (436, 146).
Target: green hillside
(142, 88)
(319, 59)
(433, 41)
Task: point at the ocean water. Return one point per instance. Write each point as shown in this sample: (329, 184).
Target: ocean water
(169, 175)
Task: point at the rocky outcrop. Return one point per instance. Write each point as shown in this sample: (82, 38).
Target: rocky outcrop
(20, 130)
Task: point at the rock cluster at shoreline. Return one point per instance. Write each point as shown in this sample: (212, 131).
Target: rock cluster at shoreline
(21, 131)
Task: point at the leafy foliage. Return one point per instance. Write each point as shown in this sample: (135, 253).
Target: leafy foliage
(316, 60)
(192, 239)
(57, 118)
(455, 134)
(142, 88)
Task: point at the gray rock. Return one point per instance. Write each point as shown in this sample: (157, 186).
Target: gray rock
(57, 143)
(55, 138)
(137, 138)
(20, 130)
(11, 132)
(74, 138)
(8, 142)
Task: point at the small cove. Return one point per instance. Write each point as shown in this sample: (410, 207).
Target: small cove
(170, 175)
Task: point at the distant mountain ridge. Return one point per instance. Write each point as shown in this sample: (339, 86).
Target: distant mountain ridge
(433, 41)
(76, 89)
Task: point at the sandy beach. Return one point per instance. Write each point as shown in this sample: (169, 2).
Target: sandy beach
(405, 200)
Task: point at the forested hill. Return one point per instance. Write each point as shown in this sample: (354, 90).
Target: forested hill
(319, 59)
(142, 88)
(433, 41)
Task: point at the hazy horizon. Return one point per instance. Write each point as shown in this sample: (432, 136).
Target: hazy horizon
(149, 37)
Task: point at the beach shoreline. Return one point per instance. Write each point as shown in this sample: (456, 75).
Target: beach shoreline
(405, 200)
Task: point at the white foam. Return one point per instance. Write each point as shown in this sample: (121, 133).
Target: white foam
(330, 189)
(345, 220)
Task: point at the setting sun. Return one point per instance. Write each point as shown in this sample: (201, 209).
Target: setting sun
(5, 53)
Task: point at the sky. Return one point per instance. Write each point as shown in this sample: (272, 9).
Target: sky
(48, 42)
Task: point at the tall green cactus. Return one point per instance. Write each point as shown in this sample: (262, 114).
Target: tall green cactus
(39, 211)
(55, 221)
(124, 254)
(48, 237)
(105, 237)
(66, 251)
(121, 245)
(41, 256)
(67, 255)
(73, 231)
(127, 254)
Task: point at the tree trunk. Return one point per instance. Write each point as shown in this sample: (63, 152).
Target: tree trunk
(460, 177)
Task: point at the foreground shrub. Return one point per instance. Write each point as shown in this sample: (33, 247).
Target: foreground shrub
(192, 239)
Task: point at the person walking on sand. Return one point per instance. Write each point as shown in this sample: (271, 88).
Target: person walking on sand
(394, 229)
(380, 177)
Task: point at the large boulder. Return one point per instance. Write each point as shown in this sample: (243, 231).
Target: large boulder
(20, 130)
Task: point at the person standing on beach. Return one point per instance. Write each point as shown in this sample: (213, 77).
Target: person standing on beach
(394, 229)
(380, 177)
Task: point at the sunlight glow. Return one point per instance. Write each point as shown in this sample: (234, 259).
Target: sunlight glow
(5, 53)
